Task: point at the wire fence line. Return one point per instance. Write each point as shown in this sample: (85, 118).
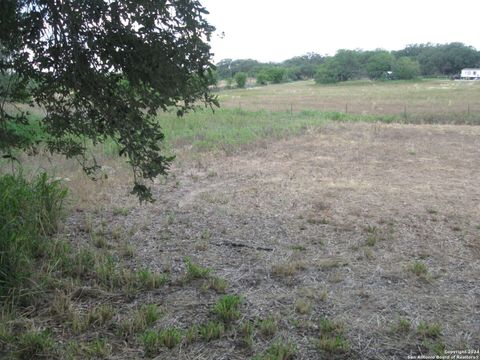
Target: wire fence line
(412, 113)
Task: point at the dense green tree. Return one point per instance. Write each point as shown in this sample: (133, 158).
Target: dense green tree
(345, 65)
(276, 74)
(406, 68)
(412, 50)
(241, 79)
(262, 78)
(378, 64)
(101, 70)
(227, 68)
(224, 69)
(303, 67)
(296, 68)
(441, 59)
(447, 59)
(271, 74)
(326, 73)
(434, 59)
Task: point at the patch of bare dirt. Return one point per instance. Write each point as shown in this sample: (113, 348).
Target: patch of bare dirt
(336, 219)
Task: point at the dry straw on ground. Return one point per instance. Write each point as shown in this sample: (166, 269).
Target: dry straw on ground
(289, 227)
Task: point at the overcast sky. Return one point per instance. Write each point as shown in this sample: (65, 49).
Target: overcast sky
(275, 30)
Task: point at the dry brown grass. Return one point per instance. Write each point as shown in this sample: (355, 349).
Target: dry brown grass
(363, 180)
(360, 179)
(427, 97)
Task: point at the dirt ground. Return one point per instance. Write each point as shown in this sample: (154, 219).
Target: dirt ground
(332, 220)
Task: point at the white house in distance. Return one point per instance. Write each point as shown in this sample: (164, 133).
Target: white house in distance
(470, 74)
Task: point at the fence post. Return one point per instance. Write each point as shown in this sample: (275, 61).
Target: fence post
(346, 108)
(405, 111)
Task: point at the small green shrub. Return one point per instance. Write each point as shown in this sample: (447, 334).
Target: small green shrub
(241, 79)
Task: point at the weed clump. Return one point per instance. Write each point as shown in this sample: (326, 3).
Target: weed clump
(280, 350)
(268, 327)
(420, 269)
(331, 338)
(227, 307)
(141, 318)
(29, 213)
(195, 271)
(402, 326)
(154, 340)
(35, 344)
(211, 331)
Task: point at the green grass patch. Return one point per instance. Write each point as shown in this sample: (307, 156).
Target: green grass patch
(98, 349)
(419, 268)
(268, 326)
(29, 212)
(217, 284)
(227, 306)
(211, 331)
(331, 339)
(427, 330)
(139, 320)
(401, 327)
(280, 350)
(35, 344)
(153, 340)
(195, 271)
(230, 130)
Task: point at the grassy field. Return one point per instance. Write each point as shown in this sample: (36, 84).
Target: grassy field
(428, 100)
(279, 234)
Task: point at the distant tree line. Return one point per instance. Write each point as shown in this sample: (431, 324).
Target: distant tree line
(297, 68)
(413, 61)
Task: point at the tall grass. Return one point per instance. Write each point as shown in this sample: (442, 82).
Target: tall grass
(29, 212)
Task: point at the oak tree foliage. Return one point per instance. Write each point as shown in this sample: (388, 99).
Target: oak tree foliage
(102, 69)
